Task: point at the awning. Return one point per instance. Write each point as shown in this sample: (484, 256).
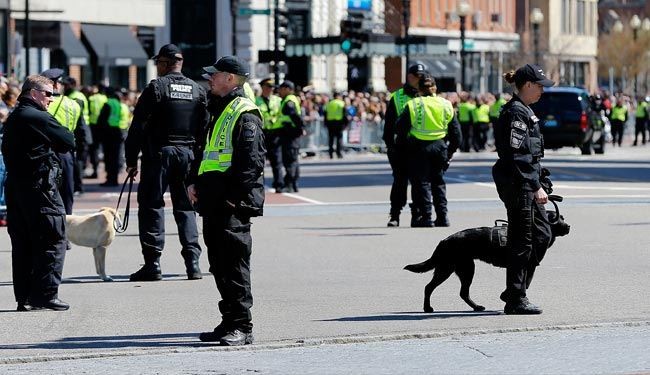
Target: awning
(74, 51)
(443, 66)
(114, 45)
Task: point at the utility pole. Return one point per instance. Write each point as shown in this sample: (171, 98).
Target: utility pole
(406, 15)
(276, 42)
(26, 38)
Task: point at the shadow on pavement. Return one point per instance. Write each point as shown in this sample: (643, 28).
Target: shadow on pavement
(115, 342)
(399, 316)
(124, 279)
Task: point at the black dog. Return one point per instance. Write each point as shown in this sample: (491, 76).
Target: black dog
(457, 252)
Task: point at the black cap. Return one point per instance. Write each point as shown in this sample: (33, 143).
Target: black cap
(54, 74)
(288, 84)
(417, 69)
(170, 51)
(69, 81)
(228, 64)
(532, 73)
(267, 82)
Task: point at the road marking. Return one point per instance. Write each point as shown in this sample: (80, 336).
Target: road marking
(304, 199)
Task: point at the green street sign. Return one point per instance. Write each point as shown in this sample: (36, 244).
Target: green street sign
(469, 44)
(250, 11)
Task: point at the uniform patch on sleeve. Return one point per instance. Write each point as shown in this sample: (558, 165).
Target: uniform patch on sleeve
(516, 139)
(249, 130)
(519, 125)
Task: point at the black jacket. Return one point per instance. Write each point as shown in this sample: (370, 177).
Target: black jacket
(242, 185)
(520, 146)
(289, 129)
(390, 119)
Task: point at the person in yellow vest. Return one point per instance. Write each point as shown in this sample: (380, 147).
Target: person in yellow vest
(429, 128)
(227, 185)
(642, 115)
(397, 152)
(84, 139)
(292, 129)
(248, 90)
(269, 105)
(96, 102)
(465, 109)
(480, 123)
(112, 136)
(495, 107)
(335, 121)
(68, 113)
(618, 118)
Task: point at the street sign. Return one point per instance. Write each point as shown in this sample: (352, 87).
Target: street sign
(251, 11)
(469, 44)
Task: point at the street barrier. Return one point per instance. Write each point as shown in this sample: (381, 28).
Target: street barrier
(359, 135)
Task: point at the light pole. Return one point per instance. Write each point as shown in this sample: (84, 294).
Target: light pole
(536, 18)
(462, 9)
(406, 18)
(635, 24)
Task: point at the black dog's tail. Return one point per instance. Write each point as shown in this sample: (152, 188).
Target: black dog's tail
(428, 264)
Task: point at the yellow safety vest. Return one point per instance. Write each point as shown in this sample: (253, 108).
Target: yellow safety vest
(270, 111)
(400, 98)
(465, 111)
(217, 155)
(481, 113)
(116, 112)
(495, 108)
(334, 110)
(96, 102)
(284, 118)
(76, 95)
(248, 90)
(66, 111)
(430, 116)
(641, 109)
(125, 116)
(618, 113)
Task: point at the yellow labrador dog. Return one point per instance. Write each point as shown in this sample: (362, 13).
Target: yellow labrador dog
(96, 231)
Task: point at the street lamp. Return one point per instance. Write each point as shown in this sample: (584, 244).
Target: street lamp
(536, 18)
(635, 24)
(618, 26)
(646, 24)
(462, 9)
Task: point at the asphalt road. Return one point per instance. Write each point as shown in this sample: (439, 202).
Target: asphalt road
(327, 270)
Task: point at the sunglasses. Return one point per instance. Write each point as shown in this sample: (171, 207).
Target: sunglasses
(46, 92)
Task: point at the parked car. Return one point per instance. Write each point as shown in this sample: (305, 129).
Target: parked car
(568, 119)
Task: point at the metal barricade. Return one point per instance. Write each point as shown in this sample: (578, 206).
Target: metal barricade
(359, 135)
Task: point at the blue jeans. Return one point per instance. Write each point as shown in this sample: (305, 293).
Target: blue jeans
(3, 177)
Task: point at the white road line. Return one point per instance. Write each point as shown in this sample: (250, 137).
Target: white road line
(304, 199)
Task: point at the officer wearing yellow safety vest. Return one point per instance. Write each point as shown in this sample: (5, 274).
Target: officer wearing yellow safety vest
(96, 102)
(227, 185)
(495, 107)
(642, 115)
(112, 127)
(269, 105)
(480, 123)
(432, 134)
(82, 142)
(68, 113)
(336, 121)
(292, 129)
(618, 118)
(465, 109)
(397, 152)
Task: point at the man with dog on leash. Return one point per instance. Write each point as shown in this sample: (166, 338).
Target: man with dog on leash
(227, 184)
(170, 111)
(33, 139)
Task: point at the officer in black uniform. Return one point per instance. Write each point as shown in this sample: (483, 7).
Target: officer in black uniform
(168, 114)
(227, 183)
(36, 216)
(429, 129)
(517, 174)
(292, 129)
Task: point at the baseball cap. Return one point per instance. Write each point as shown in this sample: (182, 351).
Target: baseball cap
(532, 73)
(170, 51)
(267, 82)
(53, 74)
(228, 64)
(417, 69)
(288, 84)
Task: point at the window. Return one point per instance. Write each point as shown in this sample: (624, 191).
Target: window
(566, 16)
(580, 17)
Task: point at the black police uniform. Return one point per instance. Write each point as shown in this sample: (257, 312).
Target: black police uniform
(83, 139)
(291, 134)
(516, 173)
(396, 156)
(226, 201)
(427, 162)
(168, 114)
(35, 211)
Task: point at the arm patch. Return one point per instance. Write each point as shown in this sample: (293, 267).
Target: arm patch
(516, 138)
(519, 125)
(249, 130)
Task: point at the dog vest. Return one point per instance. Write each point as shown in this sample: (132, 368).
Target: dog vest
(499, 234)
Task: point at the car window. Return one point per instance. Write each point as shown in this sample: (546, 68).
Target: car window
(553, 102)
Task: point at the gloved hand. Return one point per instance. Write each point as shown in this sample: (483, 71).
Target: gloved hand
(445, 166)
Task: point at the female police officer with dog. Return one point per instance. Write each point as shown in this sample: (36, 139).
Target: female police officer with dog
(517, 175)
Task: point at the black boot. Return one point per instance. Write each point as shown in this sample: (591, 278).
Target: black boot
(416, 215)
(521, 306)
(149, 272)
(394, 219)
(441, 221)
(192, 269)
(216, 335)
(236, 337)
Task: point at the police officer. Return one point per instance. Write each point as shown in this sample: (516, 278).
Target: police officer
(111, 122)
(36, 216)
(516, 174)
(336, 121)
(641, 115)
(292, 129)
(171, 109)
(480, 123)
(82, 142)
(96, 102)
(465, 109)
(495, 108)
(269, 105)
(426, 125)
(69, 114)
(618, 118)
(227, 183)
(396, 152)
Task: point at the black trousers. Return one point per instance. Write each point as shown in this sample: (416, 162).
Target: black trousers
(335, 137)
(528, 237)
(640, 127)
(466, 128)
(93, 150)
(479, 139)
(37, 242)
(79, 166)
(426, 162)
(398, 191)
(617, 132)
(229, 242)
(167, 168)
(290, 160)
(67, 181)
(273, 141)
(112, 144)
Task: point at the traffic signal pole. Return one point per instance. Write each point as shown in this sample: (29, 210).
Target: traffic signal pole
(276, 37)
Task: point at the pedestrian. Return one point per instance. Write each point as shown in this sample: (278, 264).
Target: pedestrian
(618, 118)
(96, 102)
(397, 152)
(168, 115)
(110, 125)
(465, 110)
(480, 123)
(495, 108)
(335, 121)
(431, 132)
(269, 105)
(641, 115)
(227, 184)
(85, 140)
(292, 129)
(69, 114)
(517, 174)
(36, 216)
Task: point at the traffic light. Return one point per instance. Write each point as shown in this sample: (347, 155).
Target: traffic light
(352, 33)
(282, 25)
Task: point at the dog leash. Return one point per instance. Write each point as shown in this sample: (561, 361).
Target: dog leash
(121, 227)
(551, 198)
